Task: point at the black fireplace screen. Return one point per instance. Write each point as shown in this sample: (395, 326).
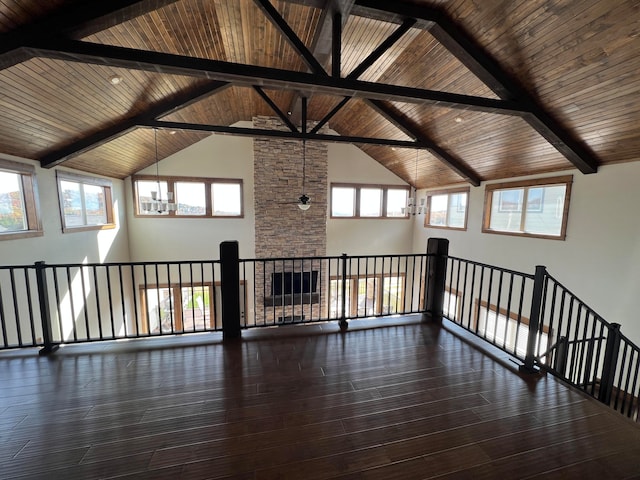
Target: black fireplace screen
(286, 283)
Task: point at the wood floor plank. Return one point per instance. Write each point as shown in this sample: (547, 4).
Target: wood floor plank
(402, 401)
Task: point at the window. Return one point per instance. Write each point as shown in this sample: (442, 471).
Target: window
(368, 201)
(509, 332)
(168, 309)
(447, 209)
(85, 202)
(534, 208)
(194, 197)
(19, 207)
(367, 296)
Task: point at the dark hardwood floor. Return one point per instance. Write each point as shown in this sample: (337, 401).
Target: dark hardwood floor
(404, 401)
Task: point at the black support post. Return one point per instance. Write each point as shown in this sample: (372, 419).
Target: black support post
(534, 320)
(230, 289)
(343, 308)
(437, 251)
(45, 311)
(610, 363)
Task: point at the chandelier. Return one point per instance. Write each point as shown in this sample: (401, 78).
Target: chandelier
(414, 206)
(158, 204)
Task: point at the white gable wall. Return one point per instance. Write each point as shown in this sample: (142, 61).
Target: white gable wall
(600, 259)
(110, 245)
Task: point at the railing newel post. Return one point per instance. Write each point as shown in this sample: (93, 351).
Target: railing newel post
(435, 278)
(534, 320)
(610, 363)
(343, 307)
(230, 289)
(45, 311)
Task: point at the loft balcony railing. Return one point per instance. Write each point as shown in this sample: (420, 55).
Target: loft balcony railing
(532, 317)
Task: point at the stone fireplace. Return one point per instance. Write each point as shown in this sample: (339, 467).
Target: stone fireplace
(282, 230)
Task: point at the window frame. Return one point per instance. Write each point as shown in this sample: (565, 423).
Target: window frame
(566, 180)
(176, 314)
(30, 199)
(359, 186)
(512, 320)
(107, 188)
(171, 181)
(380, 301)
(448, 192)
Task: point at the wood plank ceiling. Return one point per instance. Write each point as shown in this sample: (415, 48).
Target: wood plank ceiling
(471, 91)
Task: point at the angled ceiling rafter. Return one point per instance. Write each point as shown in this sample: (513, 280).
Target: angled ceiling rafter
(159, 109)
(275, 108)
(287, 32)
(487, 69)
(326, 43)
(366, 63)
(74, 21)
(413, 131)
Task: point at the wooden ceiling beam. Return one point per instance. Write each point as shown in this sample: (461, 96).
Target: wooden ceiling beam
(263, 133)
(276, 109)
(489, 71)
(412, 130)
(250, 75)
(382, 48)
(75, 21)
(287, 32)
(366, 63)
(326, 42)
(162, 108)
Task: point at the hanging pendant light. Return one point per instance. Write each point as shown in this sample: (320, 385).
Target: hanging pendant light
(413, 206)
(304, 201)
(158, 204)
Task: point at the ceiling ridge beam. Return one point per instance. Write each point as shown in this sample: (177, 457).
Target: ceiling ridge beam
(73, 21)
(290, 36)
(264, 133)
(494, 76)
(408, 127)
(159, 109)
(250, 75)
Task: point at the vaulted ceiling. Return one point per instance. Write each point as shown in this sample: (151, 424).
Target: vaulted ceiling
(470, 90)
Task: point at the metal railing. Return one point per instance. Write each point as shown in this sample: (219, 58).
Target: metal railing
(313, 289)
(587, 351)
(534, 318)
(46, 305)
(491, 302)
(537, 320)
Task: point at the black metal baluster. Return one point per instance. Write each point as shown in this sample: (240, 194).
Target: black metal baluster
(97, 293)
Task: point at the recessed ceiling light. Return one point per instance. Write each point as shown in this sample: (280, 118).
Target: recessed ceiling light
(115, 79)
(458, 119)
(172, 132)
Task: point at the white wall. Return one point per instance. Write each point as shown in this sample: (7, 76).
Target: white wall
(219, 156)
(600, 259)
(349, 164)
(77, 247)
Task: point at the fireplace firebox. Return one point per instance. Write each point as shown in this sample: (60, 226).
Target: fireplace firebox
(293, 288)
